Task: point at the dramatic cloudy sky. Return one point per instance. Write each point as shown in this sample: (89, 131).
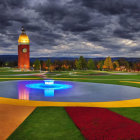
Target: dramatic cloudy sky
(92, 28)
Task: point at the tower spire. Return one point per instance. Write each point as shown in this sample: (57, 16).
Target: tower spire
(23, 51)
(22, 29)
(23, 38)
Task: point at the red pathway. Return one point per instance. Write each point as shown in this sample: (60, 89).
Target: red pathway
(102, 124)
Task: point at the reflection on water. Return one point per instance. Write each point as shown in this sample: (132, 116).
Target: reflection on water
(23, 92)
(47, 86)
(49, 92)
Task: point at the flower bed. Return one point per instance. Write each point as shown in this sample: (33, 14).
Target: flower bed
(102, 124)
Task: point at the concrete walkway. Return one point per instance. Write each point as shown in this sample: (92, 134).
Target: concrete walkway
(11, 116)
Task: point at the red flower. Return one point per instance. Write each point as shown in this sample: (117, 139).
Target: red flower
(102, 124)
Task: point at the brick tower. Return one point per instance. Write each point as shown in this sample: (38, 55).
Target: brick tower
(23, 51)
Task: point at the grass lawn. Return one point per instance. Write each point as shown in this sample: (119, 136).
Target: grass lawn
(96, 77)
(6, 73)
(12, 71)
(132, 112)
(8, 78)
(54, 123)
(47, 123)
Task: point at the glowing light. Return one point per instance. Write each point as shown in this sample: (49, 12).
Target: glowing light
(49, 82)
(23, 39)
(23, 93)
(49, 86)
(49, 92)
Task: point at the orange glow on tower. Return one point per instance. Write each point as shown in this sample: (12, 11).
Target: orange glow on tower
(23, 51)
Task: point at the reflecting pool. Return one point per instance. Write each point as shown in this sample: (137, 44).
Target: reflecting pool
(66, 91)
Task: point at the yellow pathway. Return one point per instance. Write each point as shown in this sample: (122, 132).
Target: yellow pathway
(124, 103)
(11, 117)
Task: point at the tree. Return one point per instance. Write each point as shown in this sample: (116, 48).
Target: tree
(81, 63)
(136, 66)
(123, 62)
(48, 63)
(108, 64)
(65, 67)
(41, 64)
(100, 65)
(37, 65)
(44, 66)
(78, 65)
(52, 68)
(115, 64)
(91, 65)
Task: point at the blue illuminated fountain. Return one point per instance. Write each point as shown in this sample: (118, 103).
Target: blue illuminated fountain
(66, 91)
(48, 86)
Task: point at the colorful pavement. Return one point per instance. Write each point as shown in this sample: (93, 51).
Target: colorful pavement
(11, 117)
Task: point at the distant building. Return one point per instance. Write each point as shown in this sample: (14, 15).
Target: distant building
(121, 68)
(23, 51)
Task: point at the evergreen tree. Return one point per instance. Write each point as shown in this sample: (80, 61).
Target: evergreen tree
(41, 64)
(37, 65)
(78, 65)
(91, 65)
(48, 63)
(108, 64)
(82, 62)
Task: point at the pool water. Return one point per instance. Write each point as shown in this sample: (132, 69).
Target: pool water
(66, 91)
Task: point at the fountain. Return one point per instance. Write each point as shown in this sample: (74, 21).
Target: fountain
(48, 86)
(66, 91)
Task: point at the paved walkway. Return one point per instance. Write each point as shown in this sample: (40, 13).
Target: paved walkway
(11, 117)
(123, 103)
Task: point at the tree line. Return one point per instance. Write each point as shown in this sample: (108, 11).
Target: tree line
(82, 64)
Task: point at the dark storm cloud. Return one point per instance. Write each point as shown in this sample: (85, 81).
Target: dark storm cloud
(13, 3)
(33, 27)
(113, 7)
(70, 17)
(60, 26)
(123, 33)
(127, 10)
(51, 11)
(91, 37)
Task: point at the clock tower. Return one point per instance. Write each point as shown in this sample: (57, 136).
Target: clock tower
(23, 51)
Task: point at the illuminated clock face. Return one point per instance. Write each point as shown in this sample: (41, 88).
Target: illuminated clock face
(24, 50)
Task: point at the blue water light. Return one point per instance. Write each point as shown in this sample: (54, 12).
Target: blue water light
(49, 86)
